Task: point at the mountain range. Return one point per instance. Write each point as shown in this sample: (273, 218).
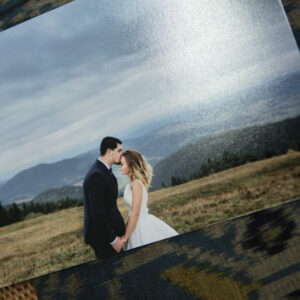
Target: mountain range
(2, 182)
(275, 138)
(258, 106)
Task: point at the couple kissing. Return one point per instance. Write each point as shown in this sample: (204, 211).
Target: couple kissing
(104, 228)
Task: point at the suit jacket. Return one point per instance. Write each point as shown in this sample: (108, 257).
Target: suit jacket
(102, 218)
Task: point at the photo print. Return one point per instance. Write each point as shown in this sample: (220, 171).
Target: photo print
(208, 92)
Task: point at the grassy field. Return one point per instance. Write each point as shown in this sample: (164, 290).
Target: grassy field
(52, 242)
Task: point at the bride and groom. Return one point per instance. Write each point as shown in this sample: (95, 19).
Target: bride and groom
(104, 227)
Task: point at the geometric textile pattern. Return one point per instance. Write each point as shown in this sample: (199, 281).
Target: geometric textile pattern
(21, 291)
(13, 12)
(254, 256)
(292, 10)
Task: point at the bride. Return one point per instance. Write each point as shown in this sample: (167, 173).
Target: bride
(141, 227)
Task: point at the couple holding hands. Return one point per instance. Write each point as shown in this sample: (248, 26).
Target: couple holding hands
(104, 227)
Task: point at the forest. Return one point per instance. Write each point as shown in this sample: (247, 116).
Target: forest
(19, 212)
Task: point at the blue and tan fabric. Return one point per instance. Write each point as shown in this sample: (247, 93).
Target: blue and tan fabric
(255, 256)
(13, 12)
(292, 9)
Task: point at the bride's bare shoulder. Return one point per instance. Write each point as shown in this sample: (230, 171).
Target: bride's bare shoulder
(137, 185)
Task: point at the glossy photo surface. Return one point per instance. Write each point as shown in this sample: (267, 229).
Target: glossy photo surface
(207, 91)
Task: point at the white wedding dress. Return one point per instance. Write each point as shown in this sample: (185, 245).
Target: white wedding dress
(148, 228)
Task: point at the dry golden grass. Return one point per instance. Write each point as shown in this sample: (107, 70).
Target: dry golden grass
(229, 193)
(52, 242)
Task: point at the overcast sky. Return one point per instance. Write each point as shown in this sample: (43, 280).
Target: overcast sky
(95, 68)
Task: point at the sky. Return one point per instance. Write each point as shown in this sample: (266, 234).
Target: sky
(95, 68)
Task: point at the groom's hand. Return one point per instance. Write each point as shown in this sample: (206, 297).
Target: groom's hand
(118, 244)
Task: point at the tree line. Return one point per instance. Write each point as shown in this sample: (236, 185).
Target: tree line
(227, 161)
(14, 213)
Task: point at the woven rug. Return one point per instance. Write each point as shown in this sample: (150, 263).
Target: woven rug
(13, 12)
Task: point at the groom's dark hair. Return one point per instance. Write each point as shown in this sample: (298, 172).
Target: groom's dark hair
(108, 142)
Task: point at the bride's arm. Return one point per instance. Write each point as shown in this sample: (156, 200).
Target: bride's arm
(137, 196)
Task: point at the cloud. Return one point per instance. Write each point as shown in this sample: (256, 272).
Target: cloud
(95, 68)
(65, 117)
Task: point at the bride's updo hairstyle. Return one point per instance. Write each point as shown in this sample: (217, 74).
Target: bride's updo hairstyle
(140, 168)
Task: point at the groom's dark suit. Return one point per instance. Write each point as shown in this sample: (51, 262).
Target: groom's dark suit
(102, 219)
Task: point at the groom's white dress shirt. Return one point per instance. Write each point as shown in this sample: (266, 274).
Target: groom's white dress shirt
(108, 167)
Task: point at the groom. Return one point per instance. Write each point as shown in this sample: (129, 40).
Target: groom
(103, 223)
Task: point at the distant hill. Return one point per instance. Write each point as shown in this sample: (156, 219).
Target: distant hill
(71, 192)
(33, 181)
(275, 138)
(70, 172)
(55, 194)
(2, 182)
